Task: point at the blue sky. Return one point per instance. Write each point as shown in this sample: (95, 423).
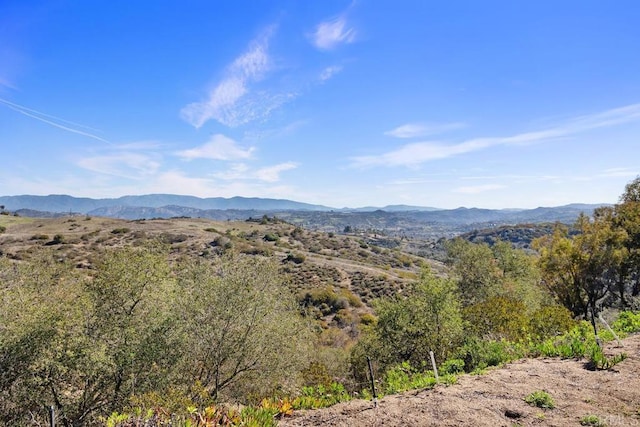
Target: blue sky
(495, 104)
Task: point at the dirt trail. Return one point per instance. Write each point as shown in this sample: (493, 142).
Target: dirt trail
(485, 400)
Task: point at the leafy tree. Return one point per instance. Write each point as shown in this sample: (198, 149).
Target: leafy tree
(520, 278)
(129, 325)
(241, 326)
(139, 326)
(626, 216)
(427, 317)
(83, 344)
(485, 272)
(631, 192)
(580, 271)
(476, 270)
(41, 307)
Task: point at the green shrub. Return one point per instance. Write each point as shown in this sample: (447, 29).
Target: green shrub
(498, 318)
(258, 417)
(591, 420)
(326, 299)
(598, 360)
(480, 354)
(368, 319)
(3, 228)
(321, 396)
(404, 377)
(540, 399)
(572, 344)
(452, 366)
(271, 237)
(549, 321)
(628, 322)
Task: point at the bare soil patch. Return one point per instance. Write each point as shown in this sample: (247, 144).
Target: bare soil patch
(496, 398)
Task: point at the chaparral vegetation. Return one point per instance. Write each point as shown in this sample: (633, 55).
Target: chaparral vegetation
(127, 325)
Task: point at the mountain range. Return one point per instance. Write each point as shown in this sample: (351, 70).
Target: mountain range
(394, 219)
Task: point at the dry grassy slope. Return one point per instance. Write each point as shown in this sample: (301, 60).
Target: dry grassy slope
(341, 263)
(613, 396)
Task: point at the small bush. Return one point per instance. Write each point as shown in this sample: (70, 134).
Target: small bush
(57, 240)
(498, 318)
(592, 420)
(295, 258)
(404, 377)
(540, 399)
(321, 396)
(628, 322)
(222, 242)
(572, 344)
(452, 366)
(479, 354)
(598, 360)
(368, 319)
(271, 237)
(120, 230)
(549, 321)
(3, 228)
(170, 238)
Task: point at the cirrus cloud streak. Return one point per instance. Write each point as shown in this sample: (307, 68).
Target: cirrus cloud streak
(415, 154)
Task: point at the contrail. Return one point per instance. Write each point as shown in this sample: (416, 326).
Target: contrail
(40, 116)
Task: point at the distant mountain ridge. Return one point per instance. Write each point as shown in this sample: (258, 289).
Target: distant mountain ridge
(65, 203)
(61, 203)
(397, 220)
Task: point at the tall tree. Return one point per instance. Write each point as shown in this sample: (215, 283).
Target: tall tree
(241, 325)
(581, 270)
(477, 273)
(428, 317)
(626, 216)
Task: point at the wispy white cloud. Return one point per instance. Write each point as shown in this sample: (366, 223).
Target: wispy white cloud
(233, 101)
(265, 134)
(621, 172)
(417, 153)
(219, 147)
(329, 72)
(414, 130)
(128, 165)
(330, 34)
(54, 121)
(241, 171)
(272, 173)
(236, 171)
(475, 189)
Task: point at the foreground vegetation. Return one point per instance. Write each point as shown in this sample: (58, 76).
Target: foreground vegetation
(147, 333)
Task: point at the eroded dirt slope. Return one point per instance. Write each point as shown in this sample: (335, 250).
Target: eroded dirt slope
(485, 400)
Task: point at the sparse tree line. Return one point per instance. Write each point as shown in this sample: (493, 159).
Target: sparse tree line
(144, 330)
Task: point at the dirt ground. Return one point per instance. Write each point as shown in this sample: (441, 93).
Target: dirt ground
(496, 398)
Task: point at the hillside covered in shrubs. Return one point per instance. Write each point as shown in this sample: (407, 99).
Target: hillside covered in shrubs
(125, 322)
